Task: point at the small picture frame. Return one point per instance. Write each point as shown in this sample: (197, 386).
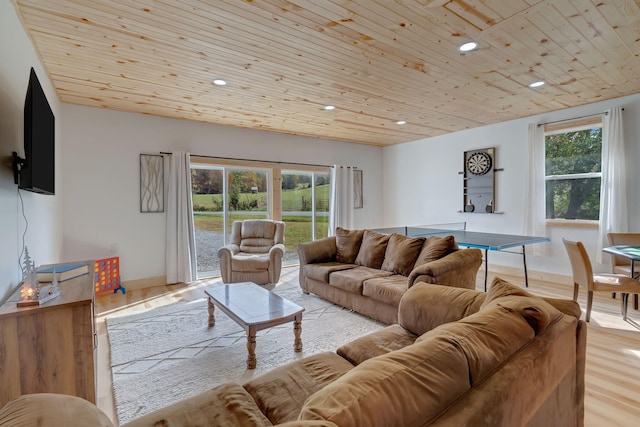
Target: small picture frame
(357, 189)
(151, 183)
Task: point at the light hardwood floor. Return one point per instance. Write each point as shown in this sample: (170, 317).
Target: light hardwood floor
(613, 345)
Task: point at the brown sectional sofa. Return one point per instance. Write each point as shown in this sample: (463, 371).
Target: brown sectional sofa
(457, 357)
(369, 272)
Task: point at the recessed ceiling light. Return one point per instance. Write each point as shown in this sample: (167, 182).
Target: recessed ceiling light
(536, 84)
(219, 82)
(329, 107)
(401, 122)
(469, 46)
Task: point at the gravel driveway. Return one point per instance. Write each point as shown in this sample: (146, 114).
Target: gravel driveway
(207, 245)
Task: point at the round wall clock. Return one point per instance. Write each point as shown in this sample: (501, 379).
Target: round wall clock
(479, 163)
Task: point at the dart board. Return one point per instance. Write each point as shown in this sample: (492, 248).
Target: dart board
(479, 181)
(479, 163)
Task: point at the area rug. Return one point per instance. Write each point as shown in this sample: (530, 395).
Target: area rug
(168, 353)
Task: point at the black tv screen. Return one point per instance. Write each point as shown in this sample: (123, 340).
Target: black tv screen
(38, 172)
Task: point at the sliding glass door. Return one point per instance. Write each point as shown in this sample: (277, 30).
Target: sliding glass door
(230, 191)
(305, 209)
(207, 185)
(247, 196)
(221, 195)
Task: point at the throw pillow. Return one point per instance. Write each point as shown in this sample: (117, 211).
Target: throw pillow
(348, 244)
(436, 247)
(501, 288)
(401, 254)
(372, 249)
(536, 311)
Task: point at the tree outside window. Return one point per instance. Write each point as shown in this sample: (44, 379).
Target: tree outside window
(573, 170)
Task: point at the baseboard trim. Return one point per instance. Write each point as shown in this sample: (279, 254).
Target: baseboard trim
(145, 283)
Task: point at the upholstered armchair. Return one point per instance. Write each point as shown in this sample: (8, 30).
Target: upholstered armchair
(255, 252)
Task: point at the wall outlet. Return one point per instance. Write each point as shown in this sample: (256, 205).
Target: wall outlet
(114, 248)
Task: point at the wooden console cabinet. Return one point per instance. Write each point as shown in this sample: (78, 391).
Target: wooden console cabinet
(50, 348)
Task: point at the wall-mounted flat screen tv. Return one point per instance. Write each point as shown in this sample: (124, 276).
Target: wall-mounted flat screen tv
(37, 174)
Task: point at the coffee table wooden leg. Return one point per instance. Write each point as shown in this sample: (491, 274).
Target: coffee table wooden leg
(297, 331)
(251, 347)
(212, 320)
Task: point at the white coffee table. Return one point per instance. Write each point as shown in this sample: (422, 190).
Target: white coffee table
(255, 308)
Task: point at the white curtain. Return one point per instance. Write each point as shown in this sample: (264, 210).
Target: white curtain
(613, 187)
(180, 245)
(534, 206)
(342, 196)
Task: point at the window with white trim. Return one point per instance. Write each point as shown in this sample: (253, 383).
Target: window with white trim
(573, 171)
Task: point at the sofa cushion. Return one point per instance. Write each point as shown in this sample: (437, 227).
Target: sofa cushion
(406, 387)
(391, 338)
(536, 311)
(401, 253)
(426, 306)
(488, 338)
(348, 244)
(436, 247)
(321, 271)
(372, 249)
(281, 392)
(387, 289)
(243, 261)
(501, 288)
(226, 405)
(566, 306)
(352, 280)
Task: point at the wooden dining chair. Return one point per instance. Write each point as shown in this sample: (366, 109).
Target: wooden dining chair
(583, 277)
(622, 265)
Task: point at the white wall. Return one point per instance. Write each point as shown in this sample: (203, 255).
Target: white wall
(101, 177)
(44, 213)
(422, 184)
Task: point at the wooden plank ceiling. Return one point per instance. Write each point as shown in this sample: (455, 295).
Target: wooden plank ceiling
(376, 61)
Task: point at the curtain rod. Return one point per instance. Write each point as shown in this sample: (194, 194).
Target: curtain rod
(575, 118)
(263, 161)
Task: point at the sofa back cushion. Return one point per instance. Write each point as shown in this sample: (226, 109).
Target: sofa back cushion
(372, 249)
(255, 236)
(487, 338)
(414, 385)
(501, 288)
(436, 247)
(401, 254)
(536, 311)
(348, 244)
(281, 392)
(405, 387)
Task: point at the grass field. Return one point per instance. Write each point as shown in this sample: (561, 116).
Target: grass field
(298, 228)
(291, 199)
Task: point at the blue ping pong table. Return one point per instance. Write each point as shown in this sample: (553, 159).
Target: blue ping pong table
(476, 239)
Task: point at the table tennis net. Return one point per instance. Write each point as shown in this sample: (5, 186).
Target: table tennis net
(423, 230)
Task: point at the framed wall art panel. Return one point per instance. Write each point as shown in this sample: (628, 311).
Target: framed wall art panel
(151, 183)
(357, 189)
